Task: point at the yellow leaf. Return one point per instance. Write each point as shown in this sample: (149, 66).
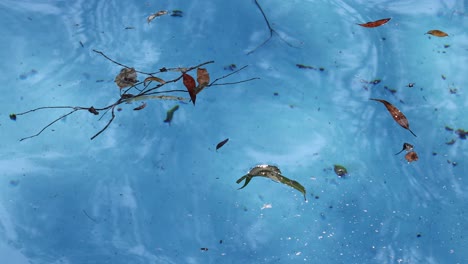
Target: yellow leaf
(155, 15)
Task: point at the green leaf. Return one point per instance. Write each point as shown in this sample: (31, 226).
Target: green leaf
(273, 173)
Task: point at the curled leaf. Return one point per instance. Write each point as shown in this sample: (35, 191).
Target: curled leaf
(272, 172)
(203, 79)
(155, 15)
(170, 114)
(153, 78)
(143, 105)
(340, 170)
(126, 78)
(437, 33)
(189, 83)
(376, 23)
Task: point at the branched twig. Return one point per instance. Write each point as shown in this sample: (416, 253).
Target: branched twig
(125, 97)
(272, 31)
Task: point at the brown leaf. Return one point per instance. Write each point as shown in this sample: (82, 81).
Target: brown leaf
(189, 83)
(126, 78)
(437, 33)
(203, 79)
(377, 23)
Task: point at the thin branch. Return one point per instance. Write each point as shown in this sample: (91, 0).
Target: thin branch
(90, 218)
(46, 107)
(116, 62)
(243, 81)
(270, 28)
(227, 75)
(108, 123)
(51, 123)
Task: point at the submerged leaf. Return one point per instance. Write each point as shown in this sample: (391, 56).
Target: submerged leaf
(170, 114)
(376, 23)
(437, 33)
(126, 78)
(272, 172)
(143, 105)
(220, 144)
(155, 15)
(189, 83)
(340, 170)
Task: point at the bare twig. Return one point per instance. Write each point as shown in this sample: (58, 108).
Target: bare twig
(270, 28)
(51, 123)
(107, 125)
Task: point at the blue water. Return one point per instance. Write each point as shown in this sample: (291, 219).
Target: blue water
(145, 191)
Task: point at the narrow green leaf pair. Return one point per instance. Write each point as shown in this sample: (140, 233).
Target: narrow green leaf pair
(274, 173)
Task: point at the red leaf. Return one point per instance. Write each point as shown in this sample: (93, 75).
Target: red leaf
(377, 23)
(189, 83)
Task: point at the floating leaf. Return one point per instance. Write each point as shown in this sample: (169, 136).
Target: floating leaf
(203, 79)
(437, 33)
(170, 114)
(157, 14)
(220, 144)
(126, 78)
(376, 23)
(398, 116)
(153, 78)
(272, 172)
(13, 117)
(340, 170)
(411, 156)
(189, 83)
(143, 105)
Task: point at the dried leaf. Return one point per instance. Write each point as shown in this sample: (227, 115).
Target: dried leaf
(220, 144)
(126, 78)
(397, 115)
(407, 147)
(272, 172)
(411, 156)
(203, 79)
(170, 114)
(157, 14)
(143, 105)
(150, 97)
(437, 33)
(153, 78)
(376, 23)
(189, 83)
